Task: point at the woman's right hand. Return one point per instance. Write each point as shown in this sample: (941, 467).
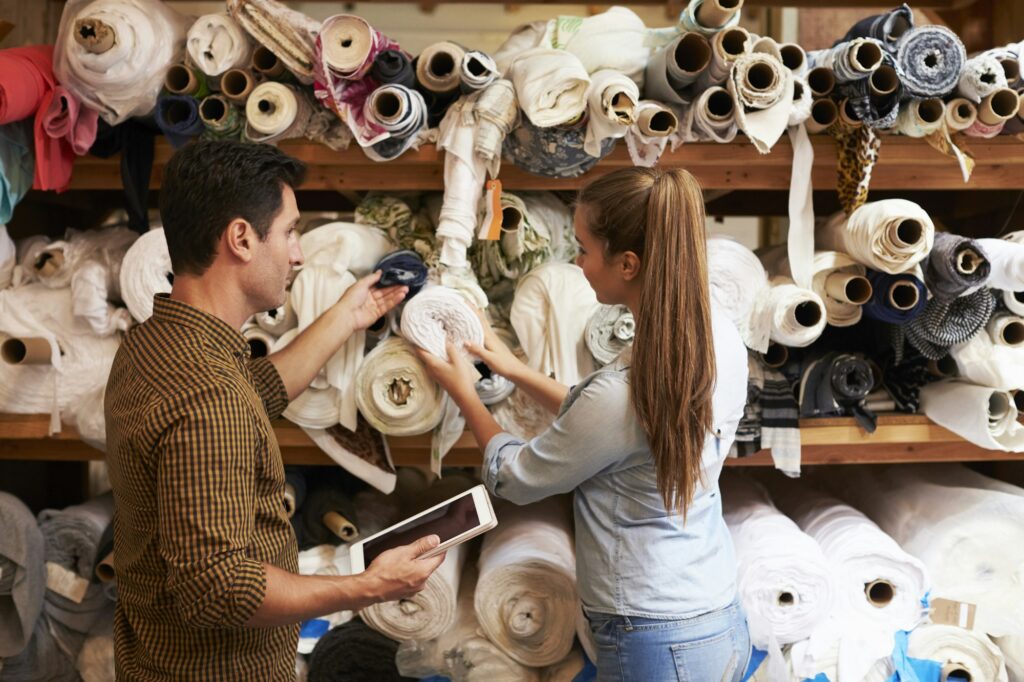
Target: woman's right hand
(494, 353)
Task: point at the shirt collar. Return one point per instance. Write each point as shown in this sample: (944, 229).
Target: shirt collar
(215, 329)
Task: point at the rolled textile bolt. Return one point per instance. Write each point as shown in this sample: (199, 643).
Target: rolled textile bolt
(944, 368)
(105, 569)
(340, 526)
(824, 113)
(848, 288)
(734, 41)
(822, 81)
(258, 348)
(930, 110)
(1007, 330)
(793, 57)
(182, 80)
(999, 106)
(215, 111)
(346, 41)
(388, 107)
(94, 35)
(906, 233)
(961, 113)
(903, 295)
(720, 105)
(879, 593)
(266, 63)
(289, 500)
(438, 67)
(776, 356)
(26, 351)
(692, 55)
(848, 115)
(998, 405)
(237, 85)
(884, 80)
(761, 77)
(715, 13)
(952, 672)
(657, 122)
(1020, 106)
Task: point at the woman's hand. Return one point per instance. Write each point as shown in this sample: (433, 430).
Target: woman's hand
(494, 353)
(456, 375)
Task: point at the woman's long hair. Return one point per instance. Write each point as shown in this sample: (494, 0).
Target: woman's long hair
(659, 215)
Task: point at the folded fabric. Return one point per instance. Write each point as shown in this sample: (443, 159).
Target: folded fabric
(920, 117)
(739, 286)
(1006, 257)
(966, 654)
(611, 108)
(217, 43)
(987, 359)
(528, 575)
(762, 88)
(134, 140)
(178, 118)
(354, 651)
(71, 125)
(797, 314)
(401, 113)
(402, 268)
(610, 331)
(931, 59)
(145, 272)
(673, 70)
(17, 166)
(440, 315)
(837, 384)
(289, 34)
(113, 54)
(954, 265)
(895, 298)
(943, 323)
(393, 66)
(710, 118)
(983, 74)
(614, 39)
(23, 577)
(892, 235)
(887, 28)
(394, 392)
(555, 152)
(551, 85)
(549, 314)
(477, 71)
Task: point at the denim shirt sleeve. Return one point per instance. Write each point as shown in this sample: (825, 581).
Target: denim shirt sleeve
(594, 433)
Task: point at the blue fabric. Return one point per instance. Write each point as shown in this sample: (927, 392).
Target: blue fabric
(909, 669)
(178, 118)
(589, 672)
(713, 646)
(404, 268)
(17, 165)
(878, 307)
(552, 152)
(756, 659)
(317, 627)
(820, 677)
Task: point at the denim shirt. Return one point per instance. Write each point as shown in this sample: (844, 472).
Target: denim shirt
(632, 557)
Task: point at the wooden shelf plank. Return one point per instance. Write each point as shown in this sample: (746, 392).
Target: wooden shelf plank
(904, 163)
(851, 4)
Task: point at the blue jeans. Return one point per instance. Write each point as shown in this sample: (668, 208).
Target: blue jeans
(712, 647)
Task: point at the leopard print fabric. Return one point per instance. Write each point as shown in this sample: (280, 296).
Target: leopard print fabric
(857, 152)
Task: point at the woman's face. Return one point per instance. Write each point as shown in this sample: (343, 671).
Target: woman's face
(604, 273)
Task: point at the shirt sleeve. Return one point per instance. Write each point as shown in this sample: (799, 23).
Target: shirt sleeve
(205, 501)
(270, 386)
(596, 433)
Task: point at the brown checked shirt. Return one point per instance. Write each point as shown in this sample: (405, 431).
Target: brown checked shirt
(199, 490)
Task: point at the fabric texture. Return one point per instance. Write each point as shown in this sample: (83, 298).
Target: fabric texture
(178, 118)
(954, 265)
(355, 652)
(887, 303)
(289, 34)
(837, 384)
(23, 583)
(402, 268)
(931, 59)
(761, 114)
(872, 235)
(395, 393)
(984, 416)
(217, 43)
(17, 166)
(555, 152)
(440, 315)
(145, 272)
(945, 323)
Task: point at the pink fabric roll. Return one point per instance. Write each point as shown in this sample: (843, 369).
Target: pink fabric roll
(979, 129)
(26, 77)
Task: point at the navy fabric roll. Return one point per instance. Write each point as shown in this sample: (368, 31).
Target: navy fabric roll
(402, 268)
(836, 384)
(882, 27)
(134, 141)
(879, 306)
(553, 152)
(393, 66)
(178, 118)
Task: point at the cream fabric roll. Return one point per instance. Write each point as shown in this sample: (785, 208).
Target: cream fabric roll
(726, 46)
(984, 416)
(672, 71)
(798, 314)
(261, 342)
(522, 38)
(983, 74)
(289, 34)
(839, 313)
(125, 79)
(402, 128)
(497, 112)
(614, 39)
(279, 320)
(611, 106)
(647, 137)
(1013, 653)
(8, 258)
(802, 102)
(911, 123)
(145, 271)
(761, 112)
(217, 43)
(526, 597)
(986, 360)
(1006, 258)
(551, 85)
(892, 235)
(438, 315)
(1014, 304)
(394, 392)
(550, 312)
(703, 121)
(275, 111)
(739, 286)
(609, 332)
(957, 649)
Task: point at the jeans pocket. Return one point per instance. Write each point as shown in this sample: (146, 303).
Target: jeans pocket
(711, 659)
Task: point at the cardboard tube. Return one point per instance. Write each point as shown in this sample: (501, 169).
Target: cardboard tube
(883, 80)
(968, 261)
(786, 599)
(823, 114)
(181, 80)
(960, 114)
(26, 351)
(258, 348)
(657, 122)
(761, 77)
(266, 62)
(822, 81)
(943, 368)
(931, 110)
(903, 295)
(715, 13)
(842, 286)
(733, 41)
(808, 313)
(388, 107)
(94, 35)
(952, 672)
(692, 54)
(999, 106)
(776, 356)
(214, 109)
(511, 219)
(346, 43)
(439, 67)
(105, 569)
(1011, 67)
(289, 500)
(847, 115)
(908, 233)
(998, 405)
(720, 105)
(793, 56)
(867, 56)
(1018, 400)
(879, 593)
(900, 25)
(1020, 106)
(237, 84)
(340, 526)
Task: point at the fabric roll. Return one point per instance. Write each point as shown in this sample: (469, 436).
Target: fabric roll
(145, 272)
(931, 59)
(962, 654)
(615, 39)
(1006, 258)
(837, 385)
(394, 392)
(849, 61)
(739, 286)
(496, 114)
(714, 17)
(552, 152)
(802, 102)
(1013, 653)
(647, 137)
(27, 79)
(440, 315)
(673, 69)
(920, 117)
(43, 660)
(887, 28)
(260, 340)
(983, 416)
(323, 498)
(895, 298)
(289, 34)
(1014, 301)
(830, 280)
(477, 71)
(943, 323)
(220, 117)
(611, 108)
(954, 265)
(960, 114)
(712, 117)
(726, 46)
(23, 580)
(875, 100)
(609, 332)
(427, 614)
(401, 113)
(217, 43)
(762, 88)
(528, 575)
(994, 358)
(402, 268)
(549, 314)
(120, 70)
(178, 118)
(551, 85)
(439, 67)
(892, 235)
(797, 314)
(393, 66)
(353, 651)
(17, 166)
(982, 75)
(275, 112)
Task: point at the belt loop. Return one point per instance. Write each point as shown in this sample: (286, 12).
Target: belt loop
(626, 625)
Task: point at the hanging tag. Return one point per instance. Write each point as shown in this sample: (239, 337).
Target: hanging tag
(949, 612)
(490, 228)
(67, 584)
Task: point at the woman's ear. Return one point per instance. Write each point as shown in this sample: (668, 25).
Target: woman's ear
(239, 240)
(629, 265)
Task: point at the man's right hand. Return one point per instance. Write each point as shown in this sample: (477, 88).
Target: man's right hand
(401, 572)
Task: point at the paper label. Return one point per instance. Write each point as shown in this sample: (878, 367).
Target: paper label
(67, 584)
(490, 227)
(949, 612)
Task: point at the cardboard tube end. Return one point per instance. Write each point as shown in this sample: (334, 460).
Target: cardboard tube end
(903, 296)
(907, 233)
(999, 106)
(511, 218)
(716, 13)
(1011, 67)
(884, 80)
(843, 286)
(1012, 333)
(26, 351)
(776, 356)
(931, 110)
(213, 109)
(340, 526)
(848, 115)
(734, 41)
(692, 53)
(998, 404)
(879, 593)
(968, 261)
(266, 62)
(94, 35)
(786, 599)
(236, 85)
(808, 314)
(657, 122)
(868, 56)
(822, 81)
(720, 105)
(181, 80)
(793, 56)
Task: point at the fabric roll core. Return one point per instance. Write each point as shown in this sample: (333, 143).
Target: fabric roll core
(823, 114)
(26, 351)
(867, 56)
(1018, 400)
(954, 673)
(761, 77)
(906, 233)
(511, 219)
(657, 122)
(808, 314)
(786, 599)
(880, 593)
(258, 348)
(848, 114)
(968, 261)
(213, 109)
(346, 43)
(903, 295)
(388, 106)
(884, 80)
(999, 106)
(720, 105)
(340, 526)
(94, 35)
(266, 62)
(793, 56)
(181, 80)
(692, 54)
(1011, 68)
(822, 81)
(717, 13)
(848, 288)
(776, 356)
(943, 368)
(177, 112)
(438, 67)
(105, 569)
(960, 114)
(237, 85)
(734, 41)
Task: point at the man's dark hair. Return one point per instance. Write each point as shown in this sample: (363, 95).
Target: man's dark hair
(212, 182)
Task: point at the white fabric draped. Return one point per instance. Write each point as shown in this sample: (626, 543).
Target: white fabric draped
(217, 43)
(739, 286)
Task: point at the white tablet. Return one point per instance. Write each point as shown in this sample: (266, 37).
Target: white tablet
(456, 520)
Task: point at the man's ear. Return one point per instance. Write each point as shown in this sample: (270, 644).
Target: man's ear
(629, 265)
(239, 240)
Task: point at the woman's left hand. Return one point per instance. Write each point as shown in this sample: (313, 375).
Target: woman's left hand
(456, 375)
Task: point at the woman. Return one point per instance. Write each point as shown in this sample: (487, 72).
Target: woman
(641, 442)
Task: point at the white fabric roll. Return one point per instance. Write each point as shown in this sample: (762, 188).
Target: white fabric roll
(478, 70)
(261, 342)
(614, 39)
(325, 560)
(761, 113)
(802, 102)
(798, 315)
(279, 320)
(145, 272)
(1006, 258)
(909, 121)
(984, 416)
(721, 58)
(403, 128)
(739, 286)
(646, 145)
(984, 361)
(611, 105)
(609, 332)
(869, 235)
(550, 312)
(1012, 303)
(394, 392)
(289, 34)
(275, 111)
(27, 253)
(8, 258)
(429, 613)
(700, 124)
(982, 75)
(838, 313)
(217, 43)
(957, 649)
(437, 315)
(124, 80)
(551, 85)
(526, 597)
(1013, 653)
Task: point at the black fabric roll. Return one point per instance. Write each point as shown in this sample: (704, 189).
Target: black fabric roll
(393, 66)
(880, 27)
(42, 660)
(940, 273)
(134, 140)
(403, 268)
(354, 653)
(437, 104)
(904, 381)
(836, 384)
(322, 497)
(946, 322)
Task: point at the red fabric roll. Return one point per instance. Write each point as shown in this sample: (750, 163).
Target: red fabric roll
(26, 76)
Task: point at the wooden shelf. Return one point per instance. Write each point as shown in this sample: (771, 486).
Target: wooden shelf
(899, 438)
(904, 163)
(850, 4)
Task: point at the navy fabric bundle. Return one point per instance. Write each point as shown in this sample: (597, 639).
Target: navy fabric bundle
(178, 118)
(879, 307)
(882, 27)
(393, 66)
(403, 268)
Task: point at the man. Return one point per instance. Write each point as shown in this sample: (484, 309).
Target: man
(206, 559)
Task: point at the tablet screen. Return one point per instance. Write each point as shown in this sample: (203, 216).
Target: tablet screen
(447, 522)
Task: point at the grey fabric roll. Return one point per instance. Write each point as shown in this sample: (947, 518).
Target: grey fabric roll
(22, 550)
(946, 322)
(931, 59)
(950, 256)
(41, 661)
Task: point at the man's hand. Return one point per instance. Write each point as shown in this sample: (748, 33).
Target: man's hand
(456, 375)
(364, 304)
(400, 573)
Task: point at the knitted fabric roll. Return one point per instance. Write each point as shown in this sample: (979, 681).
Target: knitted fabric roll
(145, 272)
(931, 59)
(393, 66)
(178, 118)
(289, 34)
(762, 110)
(217, 43)
(611, 108)
(954, 265)
(849, 61)
(983, 74)
(609, 332)
(551, 85)
(403, 268)
(888, 302)
(354, 652)
(798, 315)
(946, 322)
(892, 235)
(401, 113)
(394, 392)
(885, 28)
(440, 315)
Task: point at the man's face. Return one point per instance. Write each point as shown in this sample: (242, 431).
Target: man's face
(277, 255)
